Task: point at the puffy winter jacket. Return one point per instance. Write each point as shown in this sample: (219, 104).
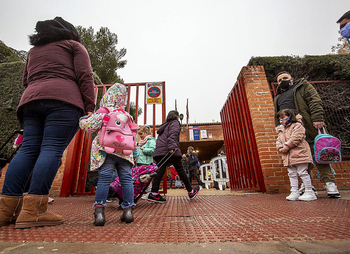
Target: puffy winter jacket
(308, 103)
(168, 139)
(292, 138)
(59, 70)
(145, 156)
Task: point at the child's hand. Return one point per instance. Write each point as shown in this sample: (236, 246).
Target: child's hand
(87, 116)
(283, 150)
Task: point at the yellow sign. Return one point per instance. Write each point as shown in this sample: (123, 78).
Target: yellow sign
(154, 100)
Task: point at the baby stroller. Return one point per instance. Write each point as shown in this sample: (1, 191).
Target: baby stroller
(141, 177)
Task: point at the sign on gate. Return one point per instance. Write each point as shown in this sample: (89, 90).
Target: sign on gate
(154, 94)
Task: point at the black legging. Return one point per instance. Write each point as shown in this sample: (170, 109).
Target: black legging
(176, 162)
(193, 172)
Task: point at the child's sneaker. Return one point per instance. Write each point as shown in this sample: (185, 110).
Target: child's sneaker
(156, 198)
(293, 196)
(309, 195)
(302, 189)
(145, 197)
(332, 190)
(193, 194)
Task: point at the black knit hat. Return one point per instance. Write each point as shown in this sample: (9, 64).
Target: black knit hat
(53, 30)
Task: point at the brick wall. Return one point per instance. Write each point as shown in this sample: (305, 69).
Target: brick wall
(3, 177)
(262, 113)
(57, 182)
(214, 128)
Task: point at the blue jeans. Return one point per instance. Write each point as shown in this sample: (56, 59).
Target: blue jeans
(105, 177)
(49, 126)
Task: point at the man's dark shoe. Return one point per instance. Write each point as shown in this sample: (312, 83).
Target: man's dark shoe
(193, 194)
(100, 218)
(127, 215)
(156, 198)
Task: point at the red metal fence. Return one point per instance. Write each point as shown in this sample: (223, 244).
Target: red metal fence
(241, 149)
(78, 154)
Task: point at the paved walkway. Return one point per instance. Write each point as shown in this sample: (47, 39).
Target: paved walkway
(215, 222)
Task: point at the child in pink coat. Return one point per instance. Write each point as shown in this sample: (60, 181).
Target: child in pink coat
(296, 153)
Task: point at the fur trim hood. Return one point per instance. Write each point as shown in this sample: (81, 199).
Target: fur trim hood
(56, 29)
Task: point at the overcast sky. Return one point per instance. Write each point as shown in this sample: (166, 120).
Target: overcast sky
(198, 47)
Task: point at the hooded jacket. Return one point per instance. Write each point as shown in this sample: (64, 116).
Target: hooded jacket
(192, 161)
(308, 104)
(292, 138)
(168, 139)
(58, 68)
(115, 97)
(145, 156)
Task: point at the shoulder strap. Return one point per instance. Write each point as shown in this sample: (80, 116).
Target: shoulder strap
(103, 110)
(324, 130)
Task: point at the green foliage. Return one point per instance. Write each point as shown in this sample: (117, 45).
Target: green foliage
(342, 47)
(325, 67)
(97, 79)
(133, 109)
(8, 55)
(10, 94)
(105, 58)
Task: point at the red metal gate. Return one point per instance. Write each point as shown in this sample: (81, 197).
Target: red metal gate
(241, 149)
(78, 152)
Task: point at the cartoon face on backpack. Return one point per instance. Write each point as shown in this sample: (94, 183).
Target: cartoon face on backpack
(118, 132)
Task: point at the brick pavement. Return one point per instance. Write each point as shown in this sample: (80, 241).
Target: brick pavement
(209, 219)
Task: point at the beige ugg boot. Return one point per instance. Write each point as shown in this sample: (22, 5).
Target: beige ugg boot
(10, 207)
(35, 214)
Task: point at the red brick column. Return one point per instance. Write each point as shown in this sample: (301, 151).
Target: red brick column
(262, 112)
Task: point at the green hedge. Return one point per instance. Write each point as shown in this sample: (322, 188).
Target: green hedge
(325, 67)
(10, 94)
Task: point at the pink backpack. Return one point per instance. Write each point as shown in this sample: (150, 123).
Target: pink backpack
(118, 132)
(326, 148)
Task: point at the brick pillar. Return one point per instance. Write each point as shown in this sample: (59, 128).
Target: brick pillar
(262, 112)
(57, 182)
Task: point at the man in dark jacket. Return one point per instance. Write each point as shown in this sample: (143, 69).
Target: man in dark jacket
(304, 99)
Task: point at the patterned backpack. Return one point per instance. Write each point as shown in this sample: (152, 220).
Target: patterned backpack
(118, 132)
(140, 183)
(326, 148)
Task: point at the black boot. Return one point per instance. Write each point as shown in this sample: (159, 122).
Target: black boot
(127, 215)
(100, 218)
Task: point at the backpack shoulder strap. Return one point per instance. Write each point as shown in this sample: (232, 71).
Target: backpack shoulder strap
(103, 110)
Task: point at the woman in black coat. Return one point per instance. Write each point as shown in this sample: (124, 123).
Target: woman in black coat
(168, 142)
